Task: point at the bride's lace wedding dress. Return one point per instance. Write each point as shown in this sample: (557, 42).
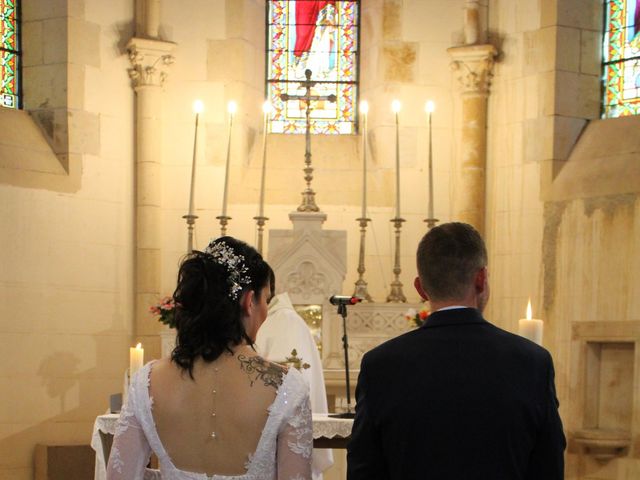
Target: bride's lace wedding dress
(283, 451)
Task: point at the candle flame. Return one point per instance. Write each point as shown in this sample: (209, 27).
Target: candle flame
(232, 107)
(429, 107)
(395, 106)
(529, 313)
(266, 107)
(364, 107)
(139, 346)
(198, 106)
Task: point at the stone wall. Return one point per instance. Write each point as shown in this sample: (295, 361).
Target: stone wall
(66, 256)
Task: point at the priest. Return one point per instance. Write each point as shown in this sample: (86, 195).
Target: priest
(283, 331)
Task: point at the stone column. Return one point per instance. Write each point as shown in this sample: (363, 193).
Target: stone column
(473, 66)
(150, 59)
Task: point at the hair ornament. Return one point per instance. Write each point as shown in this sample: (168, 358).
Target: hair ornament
(224, 255)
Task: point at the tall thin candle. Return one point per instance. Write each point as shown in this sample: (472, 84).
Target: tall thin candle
(430, 107)
(364, 108)
(198, 107)
(396, 105)
(232, 108)
(266, 108)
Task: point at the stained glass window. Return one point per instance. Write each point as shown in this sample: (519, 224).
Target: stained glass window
(322, 36)
(10, 48)
(621, 52)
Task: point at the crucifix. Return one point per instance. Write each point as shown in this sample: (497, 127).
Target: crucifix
(308, 196)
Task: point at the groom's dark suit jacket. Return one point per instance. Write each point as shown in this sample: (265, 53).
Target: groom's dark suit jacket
(456, 399)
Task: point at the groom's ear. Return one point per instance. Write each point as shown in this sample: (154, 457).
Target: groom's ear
(419, 289)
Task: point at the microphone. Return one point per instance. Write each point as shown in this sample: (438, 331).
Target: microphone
(344, 300)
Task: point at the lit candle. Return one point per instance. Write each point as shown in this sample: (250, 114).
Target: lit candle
(198, 107)
(430, 107)
(531, 328)
(136, 359)
(364, 108)
(395, 105)
(232, 107)
(266, 108)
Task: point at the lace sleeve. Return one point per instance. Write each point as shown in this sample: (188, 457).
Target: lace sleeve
(130, 451)
(295, 444)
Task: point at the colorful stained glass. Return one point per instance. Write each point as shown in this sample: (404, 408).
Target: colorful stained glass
(322, 36)
(9, 54)
(621, 53)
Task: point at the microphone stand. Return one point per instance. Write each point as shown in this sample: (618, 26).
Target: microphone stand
(342, 310)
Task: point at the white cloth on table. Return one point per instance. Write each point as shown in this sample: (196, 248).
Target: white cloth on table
(283, 450)
(283, 331)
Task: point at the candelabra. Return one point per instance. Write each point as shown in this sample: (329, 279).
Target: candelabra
(361, 285)
(396, 295)
(191, 220)
(431, 222)
(224, 220)
(260, 222)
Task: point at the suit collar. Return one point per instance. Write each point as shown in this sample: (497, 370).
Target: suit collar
(458, 316)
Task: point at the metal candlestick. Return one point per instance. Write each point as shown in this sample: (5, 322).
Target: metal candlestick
(191, 220)
(260, 222)
(396, 295)
(361, 285)
(431, 222)
(224, 220)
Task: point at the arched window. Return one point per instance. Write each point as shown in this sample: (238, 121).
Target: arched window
(322, 36)
(621, 53)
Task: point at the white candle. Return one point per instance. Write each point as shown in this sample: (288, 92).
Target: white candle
(430, 107)
(266, 108)
(395, 105)
(136, 359)
(198, 107)
(531, 328)
(232, 108)
(364, 108)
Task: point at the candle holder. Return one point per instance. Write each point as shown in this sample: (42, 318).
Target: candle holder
(396, 295)
(431, 222)
(361, 285)
(224, 221)
(260, 223)
(191, 221)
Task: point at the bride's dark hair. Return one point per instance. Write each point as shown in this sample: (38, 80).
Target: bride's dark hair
(210, 286)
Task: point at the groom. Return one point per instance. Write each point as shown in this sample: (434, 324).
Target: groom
(458, 398)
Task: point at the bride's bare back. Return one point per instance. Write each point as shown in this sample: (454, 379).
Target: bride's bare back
(213, 422)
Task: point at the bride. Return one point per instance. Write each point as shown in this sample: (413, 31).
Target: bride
(216, 410)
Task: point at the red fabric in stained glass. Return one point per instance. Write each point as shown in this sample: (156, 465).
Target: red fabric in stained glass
(307, 12)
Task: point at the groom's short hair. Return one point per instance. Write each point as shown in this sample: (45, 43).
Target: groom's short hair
(448, 258)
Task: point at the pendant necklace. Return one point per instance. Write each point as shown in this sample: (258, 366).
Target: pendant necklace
(214, 394)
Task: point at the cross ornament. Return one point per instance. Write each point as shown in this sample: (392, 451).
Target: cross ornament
(308, 196)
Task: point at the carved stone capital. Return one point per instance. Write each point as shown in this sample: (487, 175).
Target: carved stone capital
(473, 66)
(150, 61)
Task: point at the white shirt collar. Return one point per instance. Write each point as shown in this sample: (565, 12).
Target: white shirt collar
(452, 307)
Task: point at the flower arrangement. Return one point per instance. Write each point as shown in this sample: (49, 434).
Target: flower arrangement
(165, 310)
(416, 318)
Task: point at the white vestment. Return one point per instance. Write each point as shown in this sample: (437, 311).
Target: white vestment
(283, 331)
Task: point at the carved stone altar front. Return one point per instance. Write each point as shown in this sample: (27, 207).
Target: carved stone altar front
(310, 264)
